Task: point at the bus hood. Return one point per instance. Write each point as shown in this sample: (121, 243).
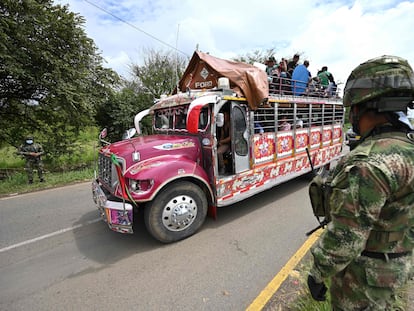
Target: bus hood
(142, 148)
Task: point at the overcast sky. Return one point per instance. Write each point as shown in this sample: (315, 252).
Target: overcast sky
(339, 34)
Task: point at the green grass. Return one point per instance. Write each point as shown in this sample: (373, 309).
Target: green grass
(9, 158)
(18, 183)
(304, 302)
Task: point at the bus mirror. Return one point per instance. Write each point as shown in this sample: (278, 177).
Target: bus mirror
(129, 133)
(103, 133)
(220, 119)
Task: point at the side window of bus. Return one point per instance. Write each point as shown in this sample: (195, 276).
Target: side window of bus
(316, 118)
(285, 117)
(264, 119)
(239, 121)
(204, 119)
(339, 114)
(302, 116)
(328, 114)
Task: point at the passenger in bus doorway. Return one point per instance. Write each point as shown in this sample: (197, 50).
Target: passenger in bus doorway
(224, 142)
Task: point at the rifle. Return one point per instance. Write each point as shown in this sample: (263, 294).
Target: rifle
(31, 154)
(322, 224)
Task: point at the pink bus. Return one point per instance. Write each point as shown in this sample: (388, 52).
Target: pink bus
(177, 176)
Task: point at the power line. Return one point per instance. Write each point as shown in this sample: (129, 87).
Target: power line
(135, 27)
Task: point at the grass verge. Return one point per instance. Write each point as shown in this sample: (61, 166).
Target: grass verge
(294, 294)
(18, 182)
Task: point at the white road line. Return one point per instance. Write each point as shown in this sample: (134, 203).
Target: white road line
(5, 249)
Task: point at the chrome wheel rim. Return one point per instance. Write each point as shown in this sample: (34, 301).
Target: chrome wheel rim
(179, 213)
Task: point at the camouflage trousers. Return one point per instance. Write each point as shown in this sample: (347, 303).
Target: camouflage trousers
(34, 164)
(371, 284)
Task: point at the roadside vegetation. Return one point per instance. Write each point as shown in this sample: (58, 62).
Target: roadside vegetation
(76, 166)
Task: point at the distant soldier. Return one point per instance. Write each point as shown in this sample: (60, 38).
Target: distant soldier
(366, 249)
(32, 152)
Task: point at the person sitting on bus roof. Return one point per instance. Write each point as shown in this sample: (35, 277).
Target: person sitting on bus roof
(300, 78)
(272, 73)
(283, 74)
(327, 80)
(270, 67)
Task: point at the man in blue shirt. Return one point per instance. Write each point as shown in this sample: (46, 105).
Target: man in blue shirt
(300, 79)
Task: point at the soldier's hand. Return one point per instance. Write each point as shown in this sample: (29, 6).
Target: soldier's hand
(317, 290)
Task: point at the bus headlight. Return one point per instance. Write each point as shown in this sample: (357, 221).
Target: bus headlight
(141, 185)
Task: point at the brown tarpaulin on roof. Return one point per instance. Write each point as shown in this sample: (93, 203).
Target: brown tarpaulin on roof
(246, 80)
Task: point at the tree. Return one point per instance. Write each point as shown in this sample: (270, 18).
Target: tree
(160, 72)
(51, 76)
(158, 75)
(256, 56)
(118, 112)
(260, 56)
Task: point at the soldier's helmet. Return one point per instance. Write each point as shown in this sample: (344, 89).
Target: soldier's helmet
(382, 76)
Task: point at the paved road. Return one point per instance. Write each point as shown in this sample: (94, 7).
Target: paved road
(56, 255)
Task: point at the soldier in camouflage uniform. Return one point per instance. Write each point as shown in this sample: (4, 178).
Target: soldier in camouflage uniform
(366, 249)
(32, 152)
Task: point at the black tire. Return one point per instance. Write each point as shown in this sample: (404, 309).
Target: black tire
(176, 213)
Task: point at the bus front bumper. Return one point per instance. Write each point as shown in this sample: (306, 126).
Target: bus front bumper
(118, 215)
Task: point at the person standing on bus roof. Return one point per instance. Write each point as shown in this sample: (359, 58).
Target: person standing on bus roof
(366, 250)
(327, 80)
(292, 65)
(271, 67)
(300, 79)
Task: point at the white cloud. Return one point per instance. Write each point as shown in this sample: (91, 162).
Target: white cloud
(338, 34)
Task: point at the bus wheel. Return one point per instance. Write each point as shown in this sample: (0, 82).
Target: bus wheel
(177, 212)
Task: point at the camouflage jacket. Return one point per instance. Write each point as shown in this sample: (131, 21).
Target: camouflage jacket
(26, 149)
(372, 204)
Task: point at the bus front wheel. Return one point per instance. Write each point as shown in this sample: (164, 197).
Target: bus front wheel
(176, 213)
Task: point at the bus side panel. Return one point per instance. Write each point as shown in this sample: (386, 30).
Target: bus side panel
(285, 144)
(233, 188)
(315, 137)
(264, 148)
(301, 140)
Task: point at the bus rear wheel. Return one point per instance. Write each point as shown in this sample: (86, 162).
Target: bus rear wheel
(176, 213)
